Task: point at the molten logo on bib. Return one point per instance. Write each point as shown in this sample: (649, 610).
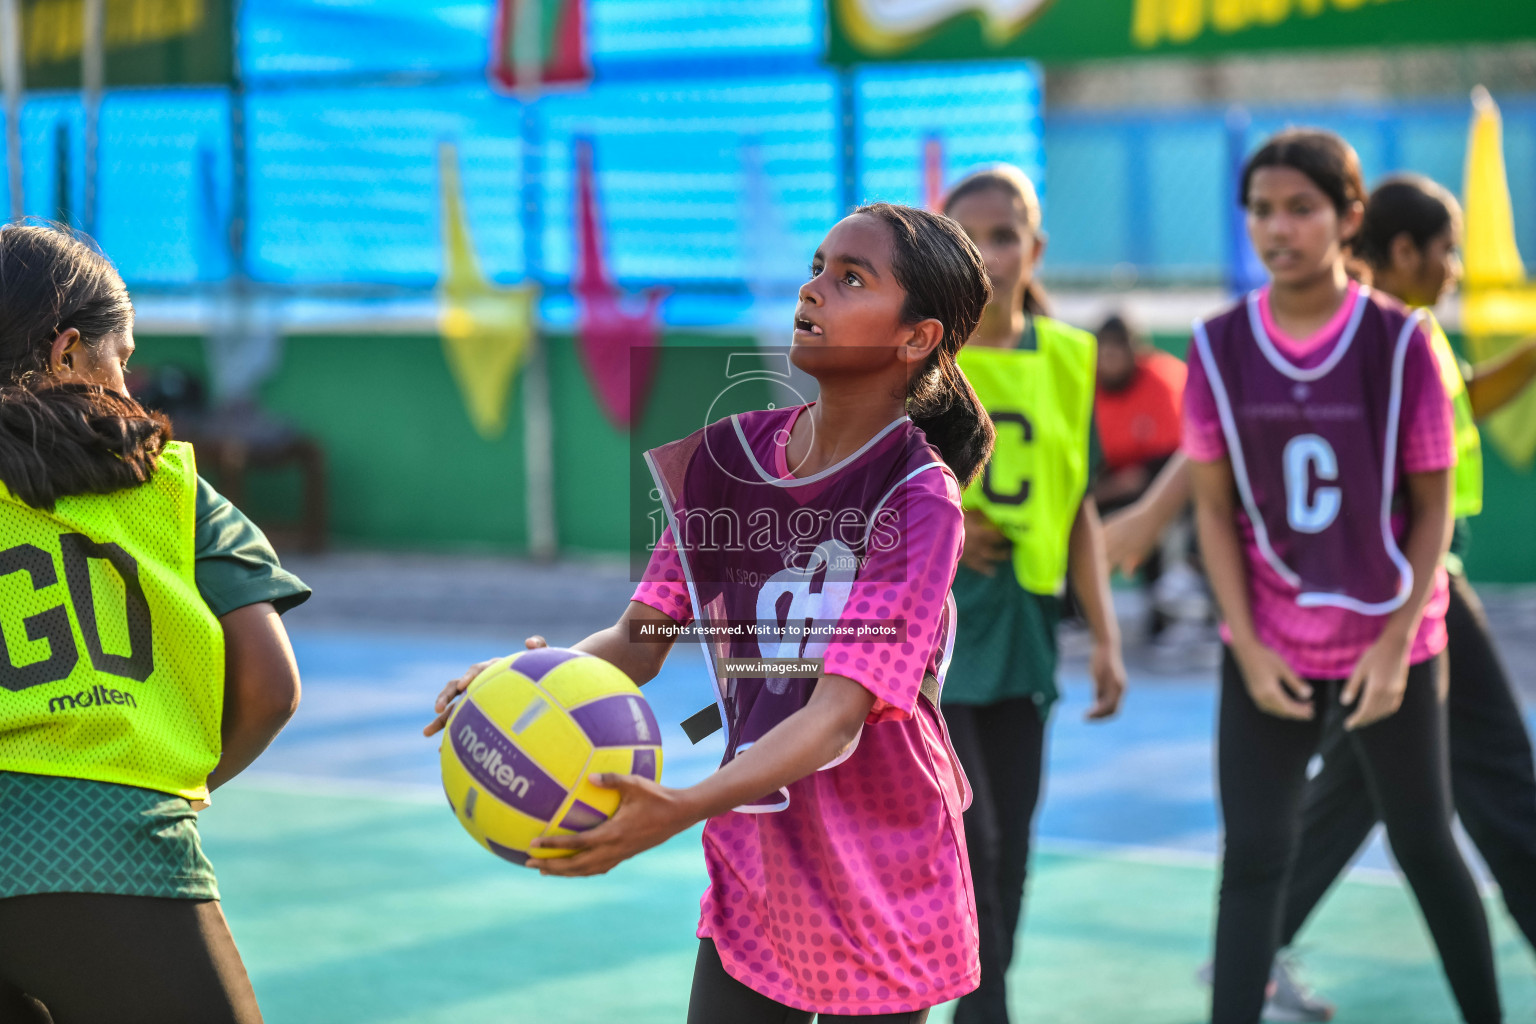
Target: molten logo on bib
(96, 696)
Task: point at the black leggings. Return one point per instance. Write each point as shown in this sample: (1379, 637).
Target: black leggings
(1262, 771)
(1002, 749)
(718, 998)
(84, 958)
(1492, 781)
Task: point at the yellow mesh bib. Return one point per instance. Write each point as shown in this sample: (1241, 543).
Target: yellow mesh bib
(1467, 499)
(111, 664)
(1041, 402)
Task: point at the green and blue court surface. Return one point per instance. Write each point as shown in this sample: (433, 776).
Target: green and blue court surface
(355, 896)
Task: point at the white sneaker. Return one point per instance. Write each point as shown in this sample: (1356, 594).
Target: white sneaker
(1289, 1000)
(1286, 999)
(1181, 594)
(1185, 646)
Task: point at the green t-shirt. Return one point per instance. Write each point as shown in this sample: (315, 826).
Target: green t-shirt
(75, 835)
(1005, 636)
(1005, 642)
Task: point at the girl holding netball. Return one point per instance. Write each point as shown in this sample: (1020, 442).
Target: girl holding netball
(1320, 443)
(1030, 525)
(144, 665)
(838, 881)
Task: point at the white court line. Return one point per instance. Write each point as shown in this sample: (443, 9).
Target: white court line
(1173, 857)
(417, 794)
(414, 793)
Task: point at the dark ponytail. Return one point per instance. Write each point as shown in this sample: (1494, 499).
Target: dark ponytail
(1408, 204)
(943, 275)
(59, 439)
(1008, 179)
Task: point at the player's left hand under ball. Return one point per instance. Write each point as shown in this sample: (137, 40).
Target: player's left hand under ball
(649, 814)
(444, 704)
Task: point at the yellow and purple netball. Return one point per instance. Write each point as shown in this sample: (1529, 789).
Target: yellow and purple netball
(519, 748)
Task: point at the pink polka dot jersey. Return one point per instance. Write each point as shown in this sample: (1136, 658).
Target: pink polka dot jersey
(856, 897)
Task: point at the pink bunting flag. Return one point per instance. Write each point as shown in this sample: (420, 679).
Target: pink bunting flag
(618, 347)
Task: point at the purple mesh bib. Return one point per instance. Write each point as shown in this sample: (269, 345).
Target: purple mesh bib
(1314, 451)
(770, 560)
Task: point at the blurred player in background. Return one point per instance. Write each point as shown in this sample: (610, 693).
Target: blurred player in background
(838, 883)
(1410, 238)
(158, 666)
(1138, 404)
(1138, 410)
(1030, 524)
(1320, 445)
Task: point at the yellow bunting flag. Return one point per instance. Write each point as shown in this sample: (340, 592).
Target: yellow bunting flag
(1498, 304)
(486, 329)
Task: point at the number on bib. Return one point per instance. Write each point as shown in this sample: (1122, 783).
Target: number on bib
(1309, 509)
(52, 624)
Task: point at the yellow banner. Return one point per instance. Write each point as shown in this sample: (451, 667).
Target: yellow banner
(145, 42)
(1159, 22)
(54, 29)
(1070, 30)
(1498, 304)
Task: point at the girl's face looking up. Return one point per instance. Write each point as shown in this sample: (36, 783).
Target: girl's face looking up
(998, 224)
(849, 320)
(1294, 226)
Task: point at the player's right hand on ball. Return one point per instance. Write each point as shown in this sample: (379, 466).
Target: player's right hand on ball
(444, 703)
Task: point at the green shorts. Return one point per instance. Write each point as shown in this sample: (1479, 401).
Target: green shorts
(73, 835)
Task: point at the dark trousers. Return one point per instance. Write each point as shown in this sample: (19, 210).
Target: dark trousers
(1262, 766)
(1492, 781)
(86, 958)
(1001, 746)
(718, 998)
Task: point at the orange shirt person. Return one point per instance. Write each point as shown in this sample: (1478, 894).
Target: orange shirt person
(1138, 408)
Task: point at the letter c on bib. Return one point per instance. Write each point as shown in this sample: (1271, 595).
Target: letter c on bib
(1308, 510)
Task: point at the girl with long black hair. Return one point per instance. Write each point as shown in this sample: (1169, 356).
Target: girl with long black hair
(143, 665)
(838, 882)
(1031, 525)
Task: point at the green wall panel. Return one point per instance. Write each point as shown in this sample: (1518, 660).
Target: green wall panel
(407, 469)
(406, 466)
(591, 458)
(600, 480)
